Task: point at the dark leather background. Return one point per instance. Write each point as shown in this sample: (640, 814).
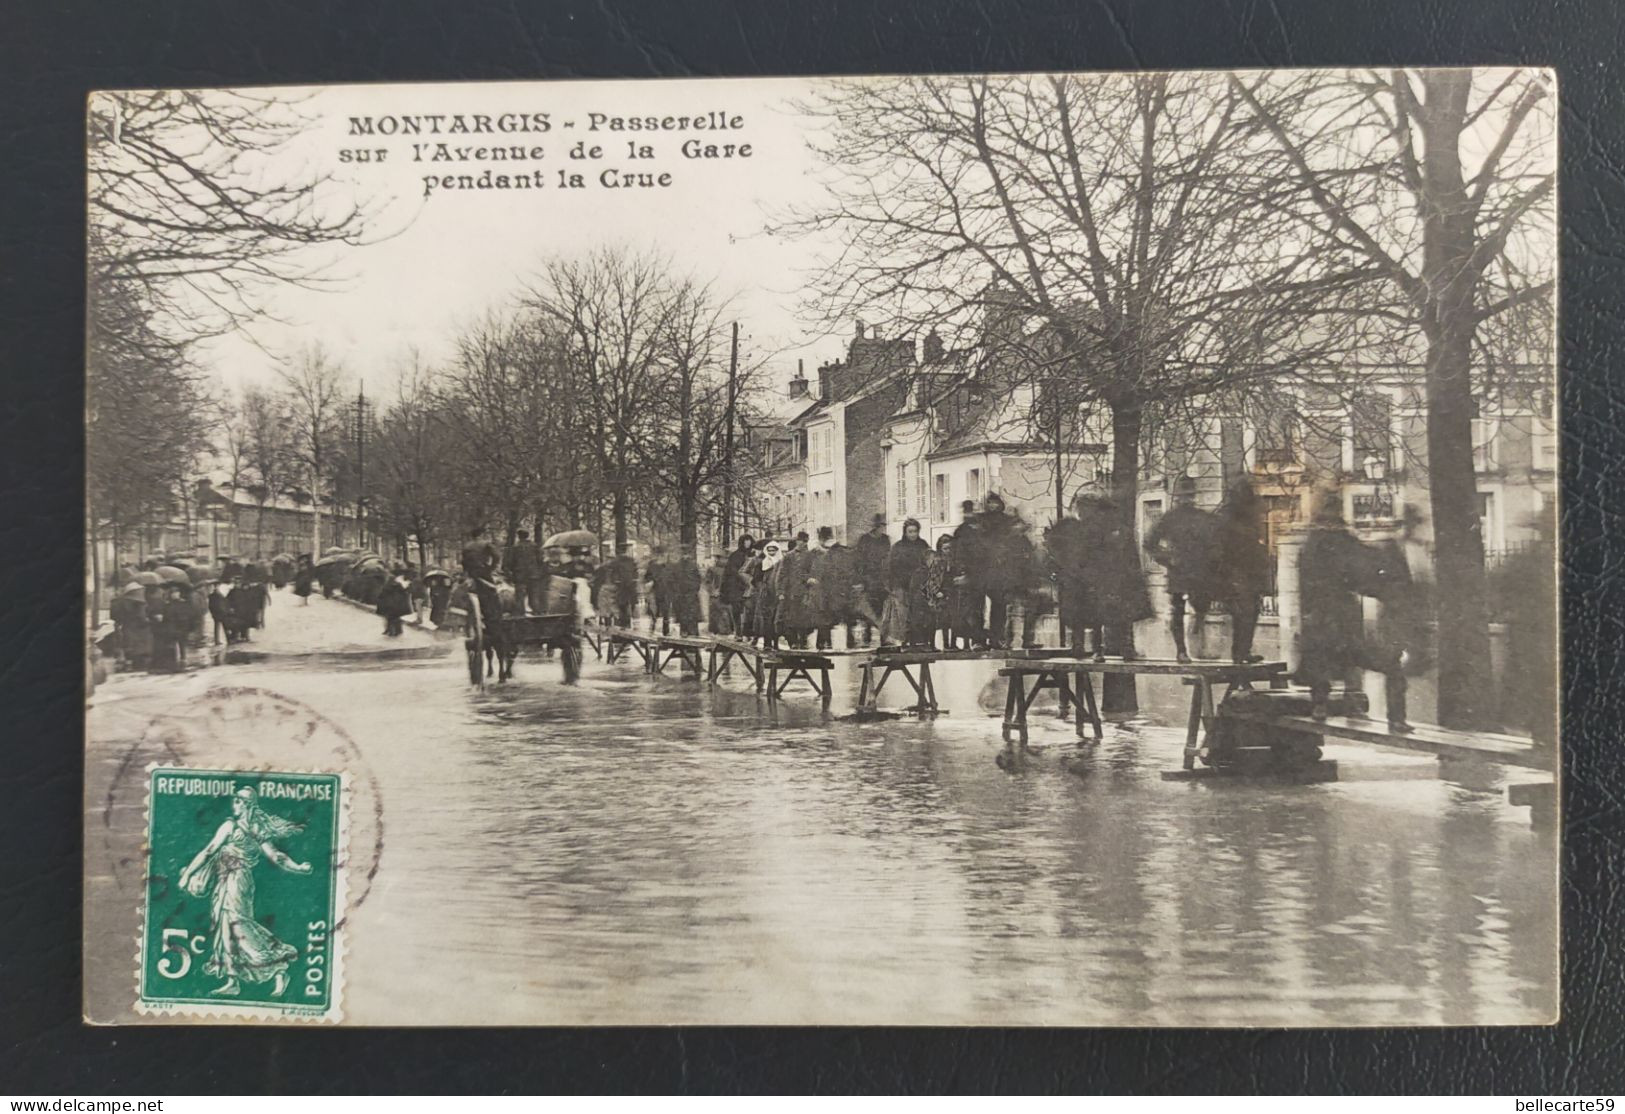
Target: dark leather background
(52, 53)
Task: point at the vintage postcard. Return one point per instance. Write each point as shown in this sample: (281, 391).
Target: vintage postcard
(1025, 549)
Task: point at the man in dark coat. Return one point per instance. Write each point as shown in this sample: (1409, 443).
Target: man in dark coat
(660, 576)
(1241, 569)
(241, 606)
(219, 611)
(833, 570)
(620, 575)
(798, 610)
(524, 565)
(734, 585)
(686, 583)
(1117, 596)
(480, 561)
(997, 571)
(1334, 570)
(966, 560)
(1184, 541)
(869, 559)
(395, 603)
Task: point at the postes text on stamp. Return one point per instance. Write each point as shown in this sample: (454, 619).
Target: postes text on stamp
(244, 894)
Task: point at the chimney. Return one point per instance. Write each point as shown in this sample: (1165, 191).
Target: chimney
(859, 331)
(798, 385)
(823, 382)
(933, 348)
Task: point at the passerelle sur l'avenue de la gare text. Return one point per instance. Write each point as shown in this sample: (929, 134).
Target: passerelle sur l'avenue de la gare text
(474, 152)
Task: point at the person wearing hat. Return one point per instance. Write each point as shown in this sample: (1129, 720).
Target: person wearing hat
(524, 566)
(661, 579)
(832, 577)
(870, 559)
(1184, 541)
(735, 583)
(965, 564)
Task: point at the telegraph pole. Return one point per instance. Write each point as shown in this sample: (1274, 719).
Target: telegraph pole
(361, 464)
(728, 443)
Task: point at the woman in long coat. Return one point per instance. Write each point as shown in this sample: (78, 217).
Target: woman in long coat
(765, 599)
(797, 611)
(905, 562)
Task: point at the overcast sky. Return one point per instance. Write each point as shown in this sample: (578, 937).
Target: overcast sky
(457, 254)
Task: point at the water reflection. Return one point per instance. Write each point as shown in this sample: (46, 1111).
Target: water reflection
(647, 850)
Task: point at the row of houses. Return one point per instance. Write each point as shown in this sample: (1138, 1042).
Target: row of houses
(216, 518)
(911, 429)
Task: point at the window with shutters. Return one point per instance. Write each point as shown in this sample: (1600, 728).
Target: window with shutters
(1486, 452)
(919, 489)
(939, 498)
(902, 489)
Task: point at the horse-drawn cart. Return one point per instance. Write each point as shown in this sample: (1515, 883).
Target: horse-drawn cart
(498, 644)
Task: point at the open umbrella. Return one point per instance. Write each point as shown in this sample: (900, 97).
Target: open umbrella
(198, 575)
(434, 574)
(132, 590)
(148, 579)
(572, 539)
(335, 551)
(173, 574)
(288, 557)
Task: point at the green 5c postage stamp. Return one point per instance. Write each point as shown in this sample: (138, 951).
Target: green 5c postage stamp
(244, 901)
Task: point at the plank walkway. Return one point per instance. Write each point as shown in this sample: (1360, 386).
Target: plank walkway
(1072, 678)
(1506, 750)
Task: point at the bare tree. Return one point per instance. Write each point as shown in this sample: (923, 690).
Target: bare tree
(612, 312)
(1115, 236)
(685, 444)
(270, 456)
(1441, 181)
(415, 496)
(313, 388)
(182, 208)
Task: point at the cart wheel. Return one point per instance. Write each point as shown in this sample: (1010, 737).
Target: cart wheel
(476, 647)
(571, 657)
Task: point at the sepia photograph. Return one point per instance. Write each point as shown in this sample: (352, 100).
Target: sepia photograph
(1039, 549)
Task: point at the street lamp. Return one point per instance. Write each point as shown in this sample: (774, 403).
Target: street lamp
(1374, 468)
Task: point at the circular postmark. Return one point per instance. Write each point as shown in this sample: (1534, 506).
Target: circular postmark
(237, 727)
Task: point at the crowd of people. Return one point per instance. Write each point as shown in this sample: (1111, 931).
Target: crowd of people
(986, 585)
(167, 605)
(981, 587)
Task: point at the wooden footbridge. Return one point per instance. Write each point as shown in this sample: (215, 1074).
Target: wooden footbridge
(1244, 720)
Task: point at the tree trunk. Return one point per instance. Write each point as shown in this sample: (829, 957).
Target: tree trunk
(95, 575)
(618, 512)
(315, 515)
(1118, 691)
(688, 523)
(1449, 321)
(1458, 542)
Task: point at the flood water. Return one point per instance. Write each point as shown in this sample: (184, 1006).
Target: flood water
(645, 849)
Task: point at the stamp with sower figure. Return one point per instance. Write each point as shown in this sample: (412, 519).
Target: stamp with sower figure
(244, 895)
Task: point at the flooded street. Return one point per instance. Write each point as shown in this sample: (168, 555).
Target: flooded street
(645, 849)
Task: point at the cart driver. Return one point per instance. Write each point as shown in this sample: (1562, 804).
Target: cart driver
(481, 560)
